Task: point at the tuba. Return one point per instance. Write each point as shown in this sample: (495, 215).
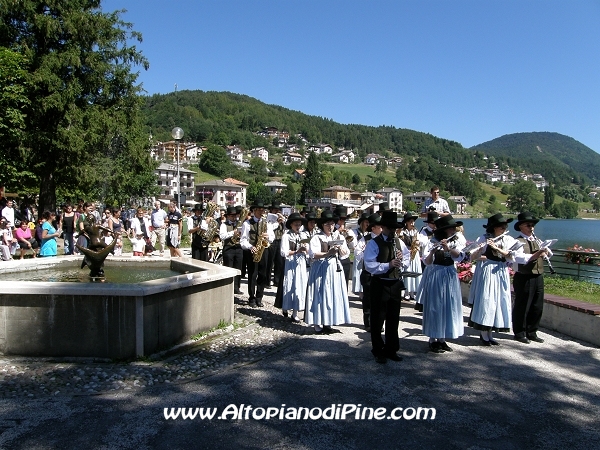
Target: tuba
(235, 239)
(211, 208)
(261, 242)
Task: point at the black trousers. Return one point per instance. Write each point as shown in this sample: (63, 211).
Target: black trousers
(385, 306)
(529, 303)
(275, 263)
(200, 253)
(233, 257)
(257, 276)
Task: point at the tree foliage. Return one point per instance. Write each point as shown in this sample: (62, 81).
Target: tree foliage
(313, 184)
(214, 160)
(524, 196)
(83, 109)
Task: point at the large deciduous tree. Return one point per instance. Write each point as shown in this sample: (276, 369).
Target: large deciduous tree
(82, 120)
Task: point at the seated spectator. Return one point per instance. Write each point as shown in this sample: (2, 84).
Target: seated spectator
(25, 239)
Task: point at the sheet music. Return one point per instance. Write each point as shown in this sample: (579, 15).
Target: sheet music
(548, 243)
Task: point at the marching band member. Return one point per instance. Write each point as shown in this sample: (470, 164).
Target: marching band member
(385, 261)
(327, 292)
(528, 282)
(410, 237)
(256, 236)
(359, 242)
(490, 288)
(295, 275)
(199, 227)
(229, 234)
(425, 234)
(275, 262)
(439, 290)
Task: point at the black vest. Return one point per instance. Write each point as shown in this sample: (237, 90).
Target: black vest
(386, 253)
(253, 233)
(533, 267)
(227, 244)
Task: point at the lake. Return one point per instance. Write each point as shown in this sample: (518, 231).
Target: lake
(568, 232)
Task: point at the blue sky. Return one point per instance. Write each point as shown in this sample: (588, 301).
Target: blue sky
(466, 70)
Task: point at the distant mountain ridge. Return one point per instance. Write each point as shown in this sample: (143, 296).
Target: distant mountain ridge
(539, 149)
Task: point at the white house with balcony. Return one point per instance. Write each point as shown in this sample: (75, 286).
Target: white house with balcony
(393, 197)
(373, 158)
(291, 157)
(260, 152)
(320, 149)
(166, 175)
(224, 193)
(275, 187)
(235, 153)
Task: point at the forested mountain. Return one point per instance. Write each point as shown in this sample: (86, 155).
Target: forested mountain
(552, 154)
(225, 118)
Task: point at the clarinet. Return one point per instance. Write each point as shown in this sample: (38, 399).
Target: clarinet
(539, 242)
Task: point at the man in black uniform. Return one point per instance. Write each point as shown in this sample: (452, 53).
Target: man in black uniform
(230, 233)
(385, 257)
(276, 262)
(528, 283)
(199, 243)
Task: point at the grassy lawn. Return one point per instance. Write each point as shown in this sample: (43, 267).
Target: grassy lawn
(576, 290)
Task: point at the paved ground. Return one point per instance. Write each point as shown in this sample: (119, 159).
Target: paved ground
(511, 397)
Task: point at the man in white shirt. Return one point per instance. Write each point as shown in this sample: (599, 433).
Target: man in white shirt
(249, 240)
(435, 203)
(157, 219)
(385, 257)
(8, 212)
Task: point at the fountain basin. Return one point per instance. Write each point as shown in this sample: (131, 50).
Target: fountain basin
(109, 320)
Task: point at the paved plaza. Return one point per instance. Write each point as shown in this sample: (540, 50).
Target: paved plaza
(515, 396)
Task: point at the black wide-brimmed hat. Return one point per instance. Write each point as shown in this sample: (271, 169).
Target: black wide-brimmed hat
(525, 217)
(275, 205)
(496, 220)
(311, 215)
(198, 207)
(410, 216)
(446, 222)
(390, 219)
(384, 206)
(294, 217)
(363, 217)
(432, 216)
(231, 210)
(341, 211)
(327, 216)
(238, 209)
(374, 219)
(258, 204)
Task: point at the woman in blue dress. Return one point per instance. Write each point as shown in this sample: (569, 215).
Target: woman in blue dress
(327, 292)
(490, 288)
(439, 291)
(294, 248)
(49, 235)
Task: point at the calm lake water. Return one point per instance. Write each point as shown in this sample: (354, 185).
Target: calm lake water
(568, 232)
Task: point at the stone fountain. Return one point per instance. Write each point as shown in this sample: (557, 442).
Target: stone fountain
(110, 320)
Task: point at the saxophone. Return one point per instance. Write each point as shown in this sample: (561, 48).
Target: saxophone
(235, 239)
(414, 246)
(261, 242)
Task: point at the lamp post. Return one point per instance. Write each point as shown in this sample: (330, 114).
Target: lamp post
(177, 134)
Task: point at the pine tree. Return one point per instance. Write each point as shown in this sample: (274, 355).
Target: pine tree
(312, 185)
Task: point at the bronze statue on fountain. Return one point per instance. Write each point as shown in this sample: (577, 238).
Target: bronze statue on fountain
(97, 250)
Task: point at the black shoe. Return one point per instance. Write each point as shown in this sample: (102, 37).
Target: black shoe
(522, 339)
(535, 338)
(435, 347)
(285, 313)
(493, 342)
(445, 347)
(394, 357)
(381, 359)
(238, 292)
(259, 303)
(295, 319)
(329, 330)
(252, 303)
(484, 342)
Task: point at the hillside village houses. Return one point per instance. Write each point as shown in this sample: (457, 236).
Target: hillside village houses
(227, 192)
(167, 151)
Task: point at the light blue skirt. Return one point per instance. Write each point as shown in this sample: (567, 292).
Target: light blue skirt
(490, 296)
(326, 295)
(294, 283)
(411, 284)
(439, 292)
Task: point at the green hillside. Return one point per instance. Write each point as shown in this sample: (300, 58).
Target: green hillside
(552, 154)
